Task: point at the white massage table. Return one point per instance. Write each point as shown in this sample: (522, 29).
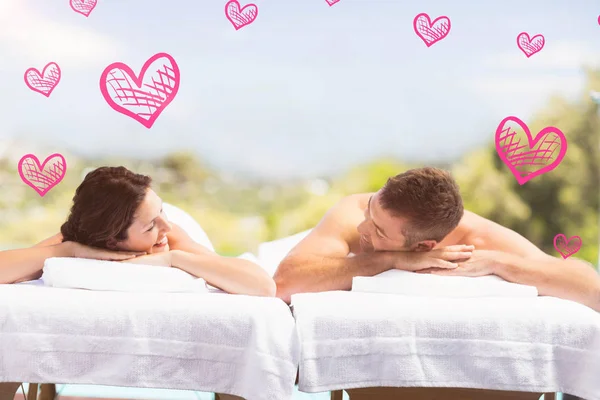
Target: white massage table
(384, 346)
(232, 344)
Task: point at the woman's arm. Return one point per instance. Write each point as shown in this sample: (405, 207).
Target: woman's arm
(21, 265)
(233, 275)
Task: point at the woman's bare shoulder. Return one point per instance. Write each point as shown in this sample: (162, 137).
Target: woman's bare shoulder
(51, 241)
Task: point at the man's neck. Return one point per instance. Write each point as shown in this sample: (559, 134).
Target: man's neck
(462, 233)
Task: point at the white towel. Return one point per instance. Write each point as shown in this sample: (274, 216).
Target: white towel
(241, 345)
(538, 344)
(80, 273)
(429, 285)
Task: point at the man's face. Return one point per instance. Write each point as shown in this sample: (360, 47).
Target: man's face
(381, 231)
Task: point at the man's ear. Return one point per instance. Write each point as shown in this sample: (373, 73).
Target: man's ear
(425, 245)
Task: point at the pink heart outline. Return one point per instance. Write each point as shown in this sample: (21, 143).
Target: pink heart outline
(46, 93)
(84, 12)
(332, 2)
(526, 51)
(430, 24)
(240, 10)
(531, 142)
(42, 192)
(138, 80)
(566, 242)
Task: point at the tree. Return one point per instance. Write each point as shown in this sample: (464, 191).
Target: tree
(564, 200)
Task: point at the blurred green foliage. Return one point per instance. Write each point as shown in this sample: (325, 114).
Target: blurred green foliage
(238, 214)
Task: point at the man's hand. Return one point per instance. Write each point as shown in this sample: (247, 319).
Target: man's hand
(162, 259)
(482, 262)
(79, 250)
(445, 258)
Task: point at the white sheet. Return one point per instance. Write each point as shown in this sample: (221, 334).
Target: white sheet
(188, 224)
(354, 340)
(271, 253)
(240, 345)
(429, 285)
(81, 273)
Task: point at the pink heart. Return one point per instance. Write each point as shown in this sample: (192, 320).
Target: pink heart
(525, 156)
(43, 177)
(43, 82)
(565, 247)
(528, 45)
(83, 7)
(142, 97)
(240, 18)
(331, 2)
(430, 32)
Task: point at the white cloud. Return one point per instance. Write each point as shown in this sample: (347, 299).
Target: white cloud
(33, 38)
(524, 94)
(562, 55)
(511, 78)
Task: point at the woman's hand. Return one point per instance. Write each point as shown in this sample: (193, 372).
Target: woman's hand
(79, 250)
(162, 259)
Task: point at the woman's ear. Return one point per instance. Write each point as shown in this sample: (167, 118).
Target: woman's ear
(111, 244)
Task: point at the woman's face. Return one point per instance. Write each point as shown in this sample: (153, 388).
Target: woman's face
(149, 229)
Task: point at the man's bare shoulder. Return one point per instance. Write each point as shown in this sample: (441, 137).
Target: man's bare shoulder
(486, 234)
(348, 210)
(359, 200)
(336, 233)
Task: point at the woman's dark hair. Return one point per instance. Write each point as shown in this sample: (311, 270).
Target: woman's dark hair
(104, 206)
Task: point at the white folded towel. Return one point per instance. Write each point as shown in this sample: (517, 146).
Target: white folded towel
(81, 273)
(429, 285)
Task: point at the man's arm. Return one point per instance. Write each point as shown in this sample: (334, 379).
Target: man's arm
(570, 279)
(520, 261)
(320, 261)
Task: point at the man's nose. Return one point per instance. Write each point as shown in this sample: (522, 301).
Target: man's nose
(362, 227)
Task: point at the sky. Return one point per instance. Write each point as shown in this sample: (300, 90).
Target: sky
(305, 90)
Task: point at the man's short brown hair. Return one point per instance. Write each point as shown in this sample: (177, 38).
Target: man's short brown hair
(428, 198)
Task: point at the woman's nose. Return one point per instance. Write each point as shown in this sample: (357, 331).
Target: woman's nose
(165, 225)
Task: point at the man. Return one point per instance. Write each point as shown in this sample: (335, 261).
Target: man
(416, 222)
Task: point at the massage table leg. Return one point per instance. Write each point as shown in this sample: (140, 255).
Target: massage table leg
(337, 395)
(47, 391)
(221, 396)
(8, 390)
(32, 391)
(390, 393)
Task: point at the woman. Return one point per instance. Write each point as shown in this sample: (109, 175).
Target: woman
(116, 216)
